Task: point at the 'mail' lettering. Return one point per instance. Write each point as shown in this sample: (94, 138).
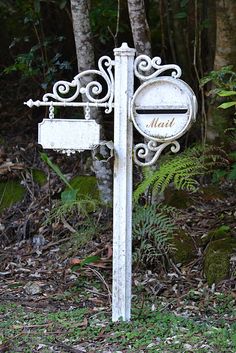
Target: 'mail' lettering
(157, 123)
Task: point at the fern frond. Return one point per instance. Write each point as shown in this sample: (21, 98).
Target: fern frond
(83, 206)
(183, 170)
(153, 229)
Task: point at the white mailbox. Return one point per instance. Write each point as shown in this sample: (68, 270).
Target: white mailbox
(69, 134)
(163, 109)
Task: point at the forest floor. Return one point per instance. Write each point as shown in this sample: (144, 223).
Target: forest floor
(47, 305)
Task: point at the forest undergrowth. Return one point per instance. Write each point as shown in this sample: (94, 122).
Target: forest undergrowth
(56, 268)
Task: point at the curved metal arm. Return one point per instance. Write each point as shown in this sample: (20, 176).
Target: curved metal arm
(143, 65)
(61, 93)
(142, 150)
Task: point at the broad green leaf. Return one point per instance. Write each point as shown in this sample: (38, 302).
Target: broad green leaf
(39, 176)
(226, 93)
(90, 259)
(69, 196)
(55, 168)
(180, 15)
(86, 185)
(11, 192)
(205, 80)
(227, 105)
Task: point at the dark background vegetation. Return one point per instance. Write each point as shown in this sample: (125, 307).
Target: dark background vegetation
(55, 229)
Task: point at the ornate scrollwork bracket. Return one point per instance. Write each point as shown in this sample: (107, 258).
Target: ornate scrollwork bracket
(142, 151)
(96, 93)
(146, 68)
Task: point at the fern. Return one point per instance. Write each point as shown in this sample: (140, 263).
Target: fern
(82, 207)
(153, 229)
(182, 170)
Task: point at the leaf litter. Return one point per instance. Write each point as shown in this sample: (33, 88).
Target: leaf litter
(37, 279)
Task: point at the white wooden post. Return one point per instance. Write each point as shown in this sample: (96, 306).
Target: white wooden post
(122, 196)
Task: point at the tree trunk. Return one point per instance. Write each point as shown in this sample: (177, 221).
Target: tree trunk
(139, 26)
(179, 37)
(225, 33)
(141, 38)
(210, 45)
(85, 59)
(225, 54)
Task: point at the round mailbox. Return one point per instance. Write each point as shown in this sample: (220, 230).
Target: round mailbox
(163, 109)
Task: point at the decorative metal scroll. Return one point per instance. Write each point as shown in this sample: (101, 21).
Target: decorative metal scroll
(94, 90)
(142, 151)
(99, 92)
(146, 68)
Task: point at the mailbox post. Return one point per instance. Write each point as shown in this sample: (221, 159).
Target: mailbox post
(162, 109)
(122, 184)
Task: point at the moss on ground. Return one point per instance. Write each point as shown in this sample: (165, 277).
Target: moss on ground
(177, 198)
(185, 248)
(39, 176)
(217, 259)
(85, 185)
(11, 192)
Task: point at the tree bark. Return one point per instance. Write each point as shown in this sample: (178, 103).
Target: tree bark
(225, 33)
(210, 45)
(225, 54)
(139, 26)
(85, 60)
(82, 35)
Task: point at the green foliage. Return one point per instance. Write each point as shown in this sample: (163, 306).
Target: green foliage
(151, 331)
(81, 196)
(86, 230)
(153, 229)
(185, 250)
(182, 170)
(81, 192)
(227, 105)
(103, 20)
(84, 188)
(86, 185)
(218, 233)
(88, 260)
(11, 192)
(37, 54)
(230, 173)
(55, 168)
(223, 79)
(230, 104)
(31, 65)
(39, 176)
(217, 259)
(81, 207)
(225, 83)
(182, 14)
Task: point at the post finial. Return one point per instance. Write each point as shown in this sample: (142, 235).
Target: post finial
(124, 50)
